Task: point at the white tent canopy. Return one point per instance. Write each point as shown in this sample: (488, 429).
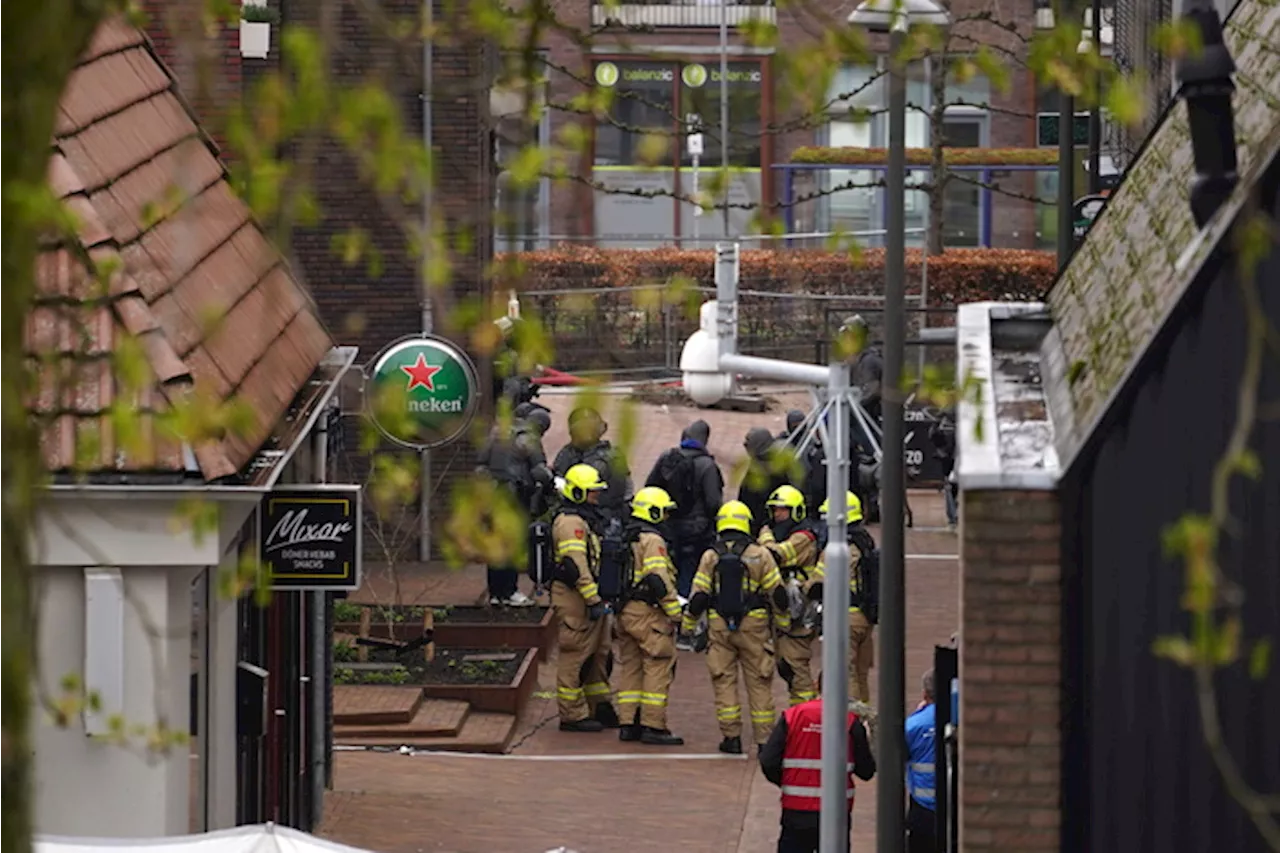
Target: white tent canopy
(264, 838)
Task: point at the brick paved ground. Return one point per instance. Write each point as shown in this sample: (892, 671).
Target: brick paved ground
(528, 804)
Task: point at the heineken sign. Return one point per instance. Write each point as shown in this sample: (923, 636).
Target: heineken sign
(422, 392)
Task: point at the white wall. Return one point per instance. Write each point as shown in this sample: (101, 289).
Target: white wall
(85, 786)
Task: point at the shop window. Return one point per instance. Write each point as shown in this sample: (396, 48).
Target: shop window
(700, 105)
(644, 101)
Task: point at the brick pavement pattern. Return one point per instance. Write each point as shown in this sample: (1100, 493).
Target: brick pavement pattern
(528, 804)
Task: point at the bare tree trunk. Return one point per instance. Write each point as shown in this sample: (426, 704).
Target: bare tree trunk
(42, 41)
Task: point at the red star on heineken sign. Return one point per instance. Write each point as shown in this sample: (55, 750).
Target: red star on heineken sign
(420, 373)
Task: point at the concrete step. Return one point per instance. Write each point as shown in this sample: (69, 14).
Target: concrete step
(374, 704)
(481, 732)
(434, 718)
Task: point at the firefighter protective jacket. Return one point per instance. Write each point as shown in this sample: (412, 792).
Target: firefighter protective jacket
(819, 575)
(650, 558)
(760, 579)
(575, 542)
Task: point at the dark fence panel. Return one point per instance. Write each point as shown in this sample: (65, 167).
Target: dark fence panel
(1140, 777)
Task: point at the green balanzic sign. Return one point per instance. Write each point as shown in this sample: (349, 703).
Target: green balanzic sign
(422, 392)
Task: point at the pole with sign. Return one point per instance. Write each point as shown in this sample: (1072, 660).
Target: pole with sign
(694, 143)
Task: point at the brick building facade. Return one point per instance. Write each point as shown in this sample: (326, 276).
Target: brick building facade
(677, 36)
(368, 305)
(1011, 630)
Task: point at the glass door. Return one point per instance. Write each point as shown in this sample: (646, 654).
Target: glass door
(962, 199)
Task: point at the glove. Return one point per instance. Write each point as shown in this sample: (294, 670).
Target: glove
(815, 591)
(698, 604)
(780, 599)
(597, 610)
(651, 590)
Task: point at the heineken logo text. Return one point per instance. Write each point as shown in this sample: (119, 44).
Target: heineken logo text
(434, 406)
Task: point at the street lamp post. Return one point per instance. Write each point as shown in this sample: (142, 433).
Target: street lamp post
(894, 16)
(1066, 159)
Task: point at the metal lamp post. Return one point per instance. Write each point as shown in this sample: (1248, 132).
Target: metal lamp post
(895, 17)
(1066, 159)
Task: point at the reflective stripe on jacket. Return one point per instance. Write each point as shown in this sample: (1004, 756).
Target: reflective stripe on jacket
(802, 758)
(920, 757)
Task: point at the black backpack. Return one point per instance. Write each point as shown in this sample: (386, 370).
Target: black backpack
(866, 577)
(730, 577)
(616, 560)
(678, 476)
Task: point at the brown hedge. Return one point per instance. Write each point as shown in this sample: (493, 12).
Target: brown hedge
(955, 277)
(848, 156)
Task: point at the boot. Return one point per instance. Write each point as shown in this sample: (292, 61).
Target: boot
(731, 746)
(587, 725)
(659, 737)
(607, 716)
(629, 733)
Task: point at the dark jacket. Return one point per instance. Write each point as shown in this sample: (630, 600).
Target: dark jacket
(765, 472)
(611, 464)
(868, 372)
(693, 479)
(516, 460)
(772, 753)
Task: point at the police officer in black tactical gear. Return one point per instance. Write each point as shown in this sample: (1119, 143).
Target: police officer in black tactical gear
(514, 458)
(767, 469)
(690, 475)
(587, 446)
(813, 460)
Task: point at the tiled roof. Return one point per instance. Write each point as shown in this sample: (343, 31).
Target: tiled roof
(1145, 248)
(192, 278)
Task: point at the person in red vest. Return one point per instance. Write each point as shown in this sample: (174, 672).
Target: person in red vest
(792, 760)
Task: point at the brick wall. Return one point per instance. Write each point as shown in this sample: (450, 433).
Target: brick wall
(1012, 122)
(207, 66)
(1010, 672)
(367, 307)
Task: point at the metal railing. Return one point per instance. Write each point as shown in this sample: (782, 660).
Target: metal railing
(828, 240)
(699, 13)
(638, 331)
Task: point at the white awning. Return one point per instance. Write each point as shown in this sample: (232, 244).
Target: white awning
(264, 838)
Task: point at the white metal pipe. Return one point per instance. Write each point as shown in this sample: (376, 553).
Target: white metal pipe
(773, 368)
(834, 822)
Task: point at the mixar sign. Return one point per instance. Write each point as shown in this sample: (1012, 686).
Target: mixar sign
(310, 537)
(422, 392)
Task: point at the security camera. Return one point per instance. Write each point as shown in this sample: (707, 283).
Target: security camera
(704, 382)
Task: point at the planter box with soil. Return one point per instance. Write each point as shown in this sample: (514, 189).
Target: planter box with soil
(457, 627)
(496, 680)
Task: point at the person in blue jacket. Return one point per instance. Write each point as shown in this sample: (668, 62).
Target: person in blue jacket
(922, 832)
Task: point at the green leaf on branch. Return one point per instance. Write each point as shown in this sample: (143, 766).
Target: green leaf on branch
(1177, 649)
(1260, 659)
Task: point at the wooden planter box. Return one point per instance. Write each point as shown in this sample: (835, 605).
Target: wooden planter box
(455, 631)
(496, 698)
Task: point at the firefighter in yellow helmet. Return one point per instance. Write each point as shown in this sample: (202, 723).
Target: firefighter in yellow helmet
(646, 624)
(791, 539)
(736, 585)
(582, 686)
(864, 596)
